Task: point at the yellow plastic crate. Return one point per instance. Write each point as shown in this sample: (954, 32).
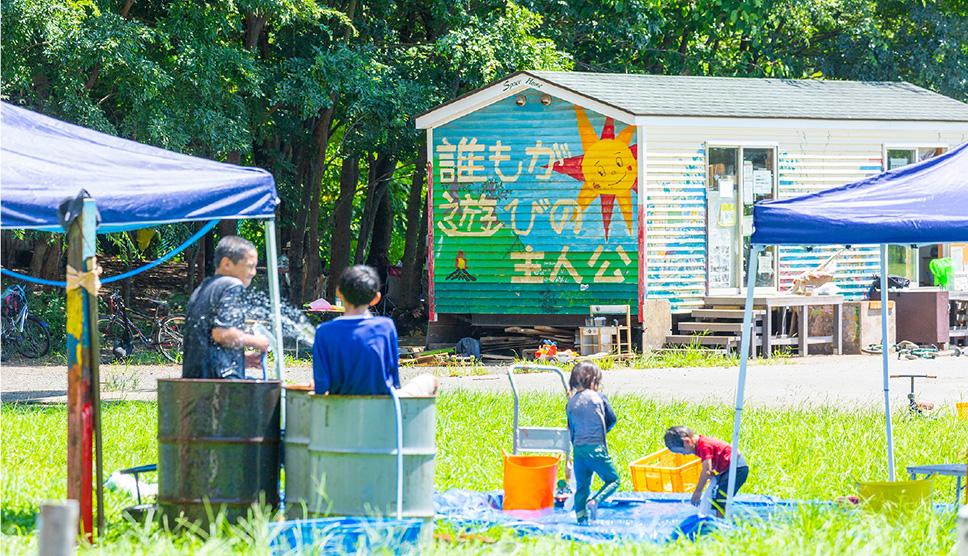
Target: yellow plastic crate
(665, 471)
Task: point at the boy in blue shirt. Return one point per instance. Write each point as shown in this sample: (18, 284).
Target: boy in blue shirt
(357, 354)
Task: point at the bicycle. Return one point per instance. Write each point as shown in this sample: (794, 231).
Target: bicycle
(119, 331)
(917, 407)
(25, 332)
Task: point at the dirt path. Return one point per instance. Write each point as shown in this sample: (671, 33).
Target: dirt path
(825, 380)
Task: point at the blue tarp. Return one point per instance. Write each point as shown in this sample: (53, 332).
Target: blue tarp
(626, 516)
(45, 161)
(926, 202)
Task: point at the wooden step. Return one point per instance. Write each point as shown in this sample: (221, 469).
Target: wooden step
(736, 327)
(702, 340)
(722, 314)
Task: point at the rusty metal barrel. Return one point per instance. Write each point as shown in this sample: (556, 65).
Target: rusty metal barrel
(351, 468)
(218, 447)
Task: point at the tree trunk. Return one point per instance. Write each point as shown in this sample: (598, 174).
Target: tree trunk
(296, 255)
(210, 262)
(413, 257)
(190, 257)
(46, 260)
(381, 170)
(227, 228)
(379, 253)
(314, 266)
(341, 239)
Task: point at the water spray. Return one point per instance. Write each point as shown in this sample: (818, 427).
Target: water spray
(260, 329)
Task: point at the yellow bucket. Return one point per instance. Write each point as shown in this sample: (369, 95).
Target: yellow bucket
(893, 495)
(529, 481)
(962, 409)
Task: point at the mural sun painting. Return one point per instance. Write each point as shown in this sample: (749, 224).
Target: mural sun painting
(609, 168)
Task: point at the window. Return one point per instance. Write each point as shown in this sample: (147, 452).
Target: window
(737, 178)
(911, 262)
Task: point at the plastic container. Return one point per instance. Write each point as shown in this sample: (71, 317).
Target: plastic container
(962, 409)
(665, 471)
(891, 496)
(529, 481)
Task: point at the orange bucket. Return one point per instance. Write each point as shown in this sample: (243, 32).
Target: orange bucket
(962, 409)
(529, 481)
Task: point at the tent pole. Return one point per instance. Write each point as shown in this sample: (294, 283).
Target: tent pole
(744, 354)
(885, 347)
(83, 400)
(273, 268)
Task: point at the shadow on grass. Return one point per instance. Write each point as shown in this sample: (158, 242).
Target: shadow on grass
(18, 521)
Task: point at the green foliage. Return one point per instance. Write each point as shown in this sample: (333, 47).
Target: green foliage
(51, 307)
(297, 86)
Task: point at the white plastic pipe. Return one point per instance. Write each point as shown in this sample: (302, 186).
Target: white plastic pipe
(399, 415)
(885, 347)
(744, 354)
(273, 264)
(962, 531)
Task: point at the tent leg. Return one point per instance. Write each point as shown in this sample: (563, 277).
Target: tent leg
(744, 354)
(885, 346)
(273, 269)
(83, 396)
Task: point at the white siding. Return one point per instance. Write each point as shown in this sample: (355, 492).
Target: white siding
(809, 161)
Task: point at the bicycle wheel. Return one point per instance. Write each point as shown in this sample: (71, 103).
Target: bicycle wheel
(35, 339)
(115, 339)
(170, 337)
(7, 342)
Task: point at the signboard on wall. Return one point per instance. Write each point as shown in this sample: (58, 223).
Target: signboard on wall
(534, 210)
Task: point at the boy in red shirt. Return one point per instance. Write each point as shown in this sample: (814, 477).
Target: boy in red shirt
(715, 455)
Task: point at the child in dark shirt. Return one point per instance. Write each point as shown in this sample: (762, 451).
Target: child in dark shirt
(215, 339)
(357, 353)
(715, 456)
(589, 417)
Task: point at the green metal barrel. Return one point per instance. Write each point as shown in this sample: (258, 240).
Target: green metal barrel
(353, 458)
(296, 444)
(218, 446)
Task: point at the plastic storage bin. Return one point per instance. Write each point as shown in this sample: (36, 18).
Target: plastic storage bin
(665, 471)
(891, 496)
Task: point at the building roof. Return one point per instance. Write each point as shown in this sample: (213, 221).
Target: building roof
(738, 97)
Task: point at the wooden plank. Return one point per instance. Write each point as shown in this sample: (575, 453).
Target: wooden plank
(736, 327)
(702, 340)
(723, 313)
(553, 330)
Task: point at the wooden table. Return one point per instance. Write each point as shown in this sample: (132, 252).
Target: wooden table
(956, 470)
(783, 301)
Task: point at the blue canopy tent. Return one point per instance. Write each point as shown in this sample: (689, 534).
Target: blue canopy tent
(922, 203)
(45, 161)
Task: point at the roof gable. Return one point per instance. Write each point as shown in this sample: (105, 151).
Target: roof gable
(633, 95)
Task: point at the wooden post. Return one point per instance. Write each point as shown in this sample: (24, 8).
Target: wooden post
(58, 528)
(82, 371)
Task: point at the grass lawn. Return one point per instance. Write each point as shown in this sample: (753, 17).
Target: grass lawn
(796, 452)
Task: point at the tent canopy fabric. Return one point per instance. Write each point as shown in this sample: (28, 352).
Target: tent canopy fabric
(45, 161)
(926, 202)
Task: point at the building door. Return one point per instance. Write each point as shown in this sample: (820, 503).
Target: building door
(737, 178)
